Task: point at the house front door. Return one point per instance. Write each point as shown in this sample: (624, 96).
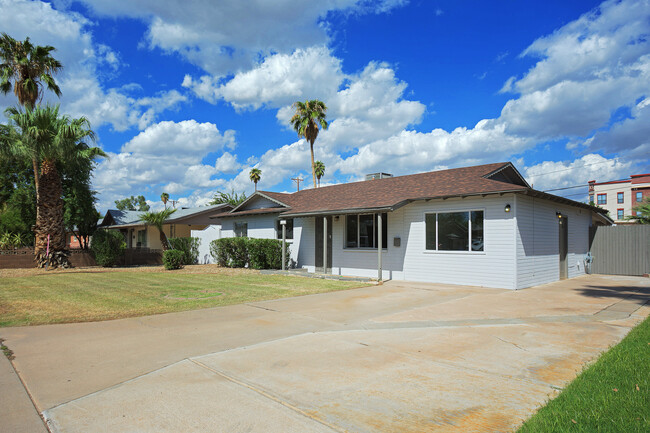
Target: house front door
(319, 244)
(564, 247)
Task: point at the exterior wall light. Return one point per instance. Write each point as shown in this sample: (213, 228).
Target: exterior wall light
(507, 208)
(558, 214)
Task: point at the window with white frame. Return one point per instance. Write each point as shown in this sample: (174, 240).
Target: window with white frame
(639, 196)
(361, 231)
(289, 225)
(454, 231)
(241, 230)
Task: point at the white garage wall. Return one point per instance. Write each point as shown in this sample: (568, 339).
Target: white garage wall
(538, 240)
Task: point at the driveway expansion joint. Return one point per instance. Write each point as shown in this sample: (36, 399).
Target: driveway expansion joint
(268, 396)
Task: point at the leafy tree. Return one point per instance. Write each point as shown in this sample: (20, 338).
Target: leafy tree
(255, 175)
(164, 197)
(642, 211)
(320, 170)
(51, 139)
(17, 196)
(310, 115)
(133, 203)
(157, 219)
(231, 198)
(27, 66)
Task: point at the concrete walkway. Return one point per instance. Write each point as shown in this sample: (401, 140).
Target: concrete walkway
(403, 357)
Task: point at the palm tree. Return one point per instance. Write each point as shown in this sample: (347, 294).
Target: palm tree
(319, 168)
(255, 175)
(164, 197)
(49, 140)
(157, 219)
(310, 115)
(27, 66)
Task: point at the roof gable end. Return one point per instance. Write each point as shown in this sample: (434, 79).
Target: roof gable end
(507, 174)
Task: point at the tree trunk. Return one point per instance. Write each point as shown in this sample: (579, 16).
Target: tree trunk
(163, 239)
(37, 183)
(49, 218)
(313, 168)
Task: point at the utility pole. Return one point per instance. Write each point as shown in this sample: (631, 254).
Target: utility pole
(297, 180)
(173, 203)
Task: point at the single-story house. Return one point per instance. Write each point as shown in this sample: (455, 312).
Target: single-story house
(180, 224)
(481, 225)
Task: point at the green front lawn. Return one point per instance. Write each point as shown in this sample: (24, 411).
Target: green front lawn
(612, 395)
(89, 296)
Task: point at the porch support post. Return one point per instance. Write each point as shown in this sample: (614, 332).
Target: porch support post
(380, 244)
(325, 244)
(284, 246)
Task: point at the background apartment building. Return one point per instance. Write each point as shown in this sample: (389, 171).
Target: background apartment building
(620, 196)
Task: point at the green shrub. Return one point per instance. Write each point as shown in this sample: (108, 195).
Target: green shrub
(173, 259)
(218, 252)
(240, 252)
(107, 246)
(189, 247)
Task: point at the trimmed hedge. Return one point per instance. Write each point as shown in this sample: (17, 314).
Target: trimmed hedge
(107, 247)
(173, 259)
(254, 253)
(189, 247)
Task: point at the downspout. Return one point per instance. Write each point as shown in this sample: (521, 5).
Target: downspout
(516, 251)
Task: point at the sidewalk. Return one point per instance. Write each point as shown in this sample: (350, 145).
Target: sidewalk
(17, 413)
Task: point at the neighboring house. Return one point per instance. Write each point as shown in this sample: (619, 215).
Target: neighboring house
(620, 196)
(181, 223)
(481, 225)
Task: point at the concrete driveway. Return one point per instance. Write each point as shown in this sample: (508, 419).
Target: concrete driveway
(402, 357)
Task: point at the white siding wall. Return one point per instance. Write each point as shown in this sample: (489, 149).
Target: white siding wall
(492, 268)
(261, 202)
(538, 260)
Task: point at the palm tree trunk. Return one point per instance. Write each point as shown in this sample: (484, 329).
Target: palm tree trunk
(37, 182)
(49, 218)
(163, 239)
(313, 167)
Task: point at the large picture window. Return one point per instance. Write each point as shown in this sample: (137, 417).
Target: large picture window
(289, 225)
(241, 230)
(361, 231)
(454, 231)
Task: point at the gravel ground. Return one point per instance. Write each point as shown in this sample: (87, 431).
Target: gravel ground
(192, 269)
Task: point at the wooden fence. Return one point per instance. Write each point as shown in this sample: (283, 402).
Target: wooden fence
(24, 258)
(620, 250)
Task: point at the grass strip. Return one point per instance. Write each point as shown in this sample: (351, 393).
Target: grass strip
(611, 395)
(83, 297)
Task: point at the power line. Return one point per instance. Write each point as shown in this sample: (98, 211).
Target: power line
(573, 168)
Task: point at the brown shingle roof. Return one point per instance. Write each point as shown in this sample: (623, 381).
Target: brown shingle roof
(393, 191)
(389, 193)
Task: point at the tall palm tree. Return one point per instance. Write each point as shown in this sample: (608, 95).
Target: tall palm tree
(50, 140)
(164, 197)
(310, 115)
(27, 66)
(255, 175)
(157, 219)
(319, 167)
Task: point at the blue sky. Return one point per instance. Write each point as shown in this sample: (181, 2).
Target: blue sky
(188, 96)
